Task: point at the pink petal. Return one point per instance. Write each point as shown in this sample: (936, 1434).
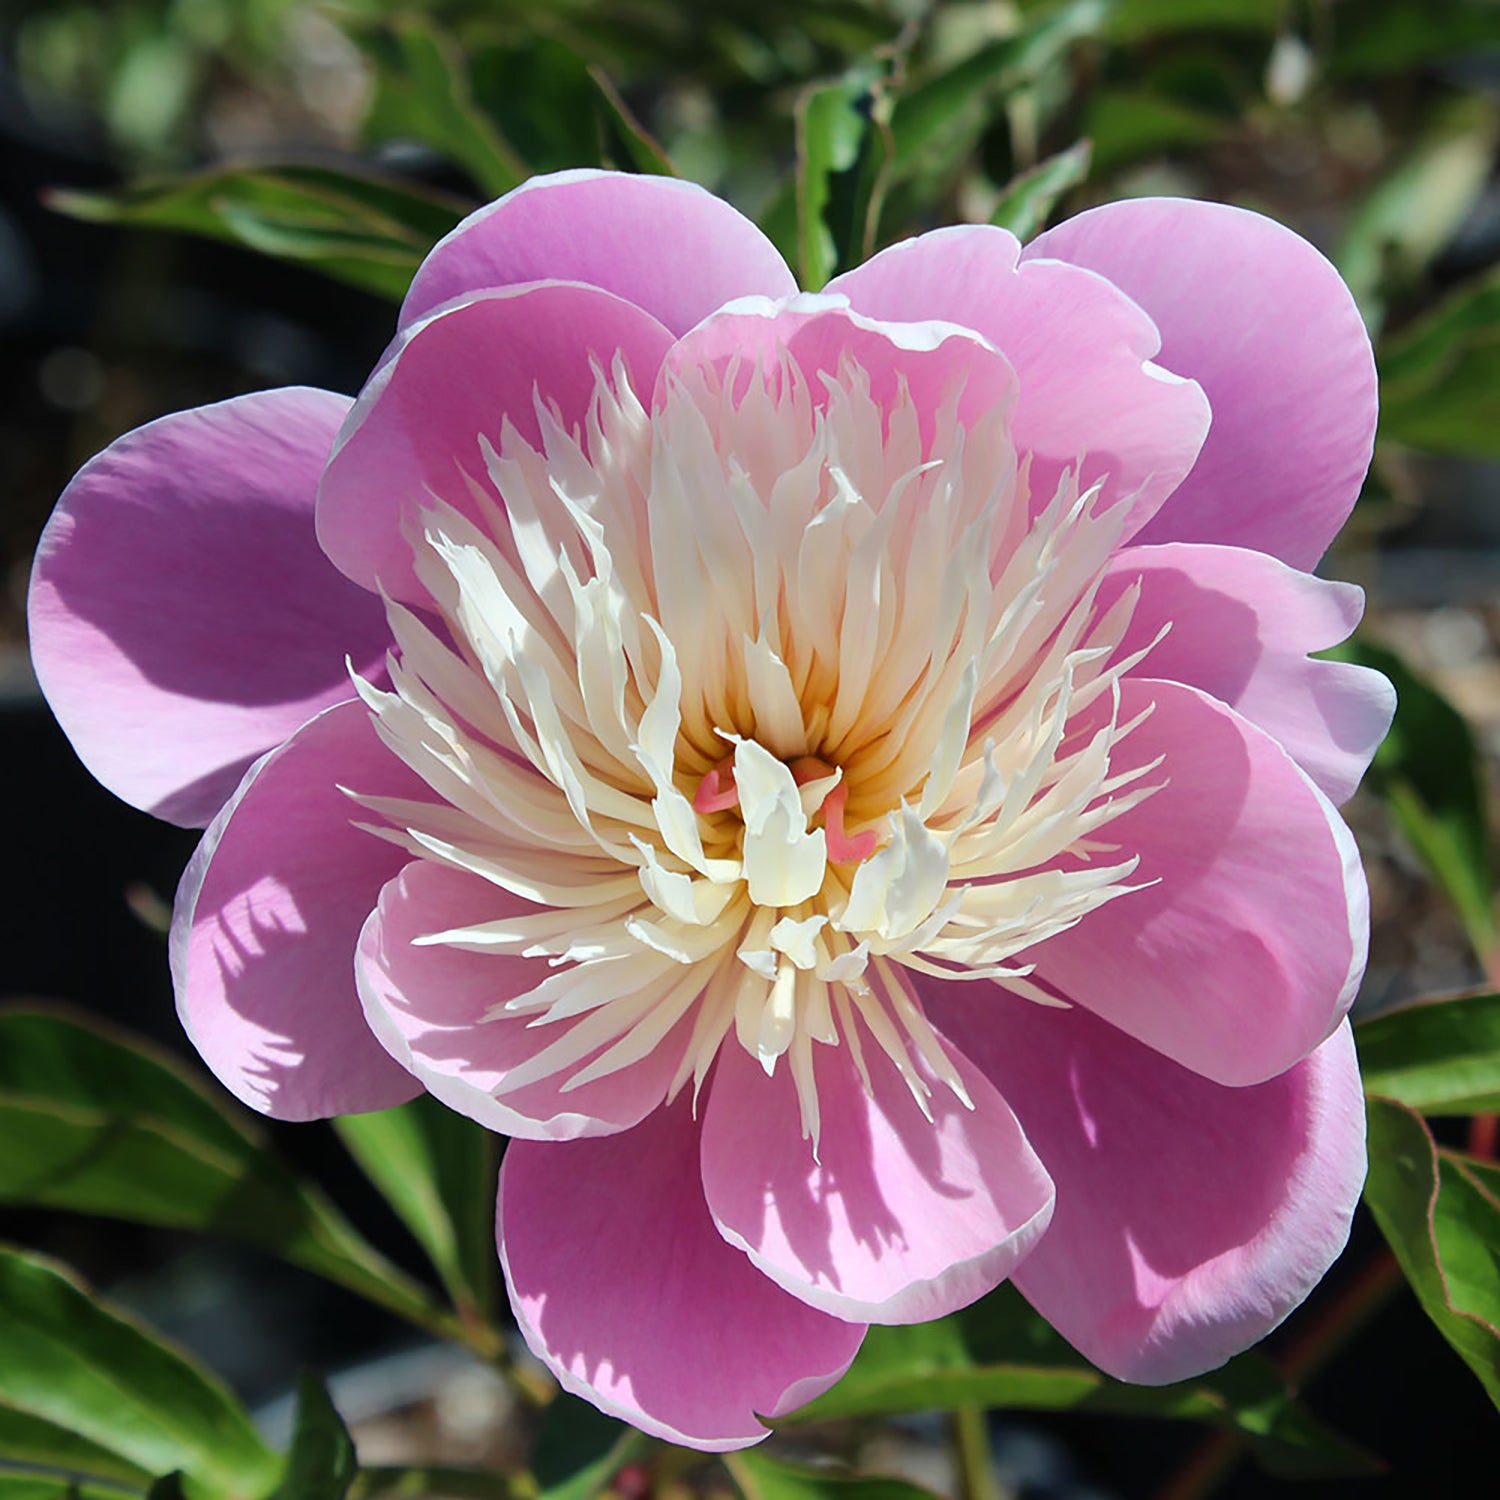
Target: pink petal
(267, 917)
(899, 1219)
(668, 246)
(1245, 944)
(1191, 1219)
(429, 1004)
(1242, 625)
(623, 1287)
(1264, 324)
(183, 618)
(932, 360)
(450, 380)
(1083, 354)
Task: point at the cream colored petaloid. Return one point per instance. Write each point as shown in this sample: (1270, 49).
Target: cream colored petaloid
(762, 700)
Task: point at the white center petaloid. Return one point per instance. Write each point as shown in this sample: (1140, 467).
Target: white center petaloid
(764, 702)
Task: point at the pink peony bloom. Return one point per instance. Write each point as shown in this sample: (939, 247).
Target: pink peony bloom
(838, 778)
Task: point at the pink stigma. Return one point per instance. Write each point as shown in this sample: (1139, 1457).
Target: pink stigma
(842, 849)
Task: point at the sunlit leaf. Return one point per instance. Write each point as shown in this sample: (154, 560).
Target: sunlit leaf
(832, 122)
(999, 1353)
(73, 1361)
(98, 1124)
(1441, 1057)
(1027, 202)
(1440, 1214)
(322, 1463)
(1428, 773)
(369, 231)
(761, 1477)
(437, 1169)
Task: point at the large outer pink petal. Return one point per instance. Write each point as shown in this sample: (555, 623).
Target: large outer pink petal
(451, 379)
(900, 1218)
(267, 917)
(1191, 1219)
(622, 1285)
(1245, 944)
(1242, 625)
(429, 1006)
(666, 245)
(183, 618)
(1084, 355)
(1264, 324)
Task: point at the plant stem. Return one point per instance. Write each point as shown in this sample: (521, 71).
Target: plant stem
(971, 1442)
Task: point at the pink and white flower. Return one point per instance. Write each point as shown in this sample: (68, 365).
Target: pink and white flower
(838, 778)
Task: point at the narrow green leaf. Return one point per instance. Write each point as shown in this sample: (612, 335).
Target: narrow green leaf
(423, 93)
(93, 1122)
(644, 152)
(1027, 202)
(371, 232)
(760, 1477)
(999, 1353)
(73, 1361)
(1441, 1057)
(437, 1170)
(944, 112)
(1440, 376)
(1428, 773)
(1127, 125)
(29, 1439)
(322, 1463)
(1378, 37)
(580, 1450)
(47, 1487)
(1440, 1217)
(1416, 209)
(831, 128)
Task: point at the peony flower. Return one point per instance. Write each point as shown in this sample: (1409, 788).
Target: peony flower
(837, 778)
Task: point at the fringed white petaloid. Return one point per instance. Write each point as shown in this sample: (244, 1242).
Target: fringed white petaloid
(763, 705)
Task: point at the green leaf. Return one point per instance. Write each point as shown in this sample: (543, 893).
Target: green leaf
(1027, 202)
(75, 1362)
(999, 1353)
(831, 128)
(1429, 774)
(945, 112)
(437, 1169)
(1415, 210)
(1128, 124)
(321, 1464)
(1378, 37)
(642, 150)
(761, 1477)
(371, 232)
(1441, 1057)
(579, 1449)
(47, 1487)
(1439, 376)
(423, 93)
(29, 1439)
(96, 1123)
(1139, 20)
(1440, 1215)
